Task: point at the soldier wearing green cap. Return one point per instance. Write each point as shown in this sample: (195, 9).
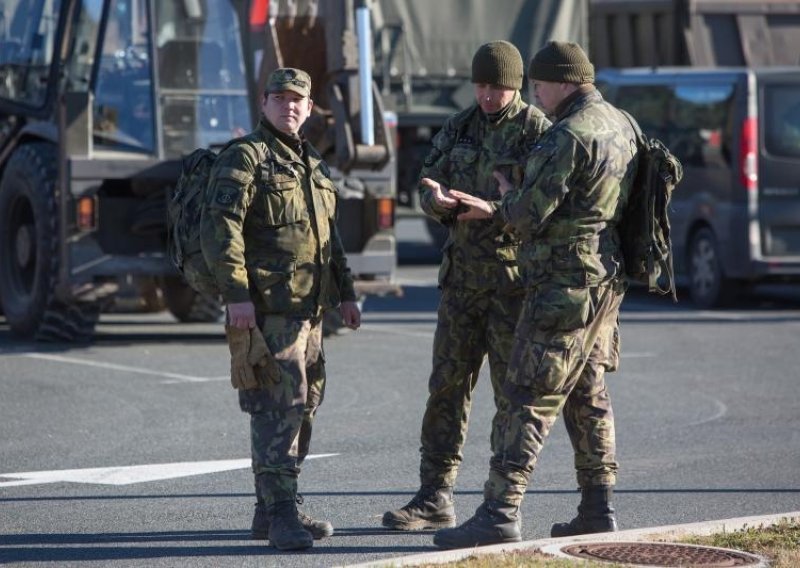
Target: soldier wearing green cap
(566, 210)
(269, 233)
(481, 290)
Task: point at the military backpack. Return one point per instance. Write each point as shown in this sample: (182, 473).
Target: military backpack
(644, 228)
(185, 212)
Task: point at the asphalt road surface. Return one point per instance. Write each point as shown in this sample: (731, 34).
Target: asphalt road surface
(131, 451)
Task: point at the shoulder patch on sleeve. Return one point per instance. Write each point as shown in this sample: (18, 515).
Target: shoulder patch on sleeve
(226, 196)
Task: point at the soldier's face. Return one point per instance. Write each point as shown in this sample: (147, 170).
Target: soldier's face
(286, 110)
(493, 98)
(548, 94)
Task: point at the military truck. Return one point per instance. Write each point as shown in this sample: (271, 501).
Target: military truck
(99, 100)
(698, 33)
(423, 59)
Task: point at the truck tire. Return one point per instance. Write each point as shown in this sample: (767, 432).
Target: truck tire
(187, 305)
(29, 259)
(708, 286)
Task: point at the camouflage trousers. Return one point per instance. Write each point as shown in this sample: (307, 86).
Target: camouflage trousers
(471, 325)
(282, 414)
(566, 340)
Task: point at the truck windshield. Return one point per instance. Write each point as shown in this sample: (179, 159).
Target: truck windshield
(199, 98)
(201, 70)
(782, 120)
(123, 104)
(27, 38)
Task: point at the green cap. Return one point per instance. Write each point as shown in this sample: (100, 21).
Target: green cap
(561, 62)
(498, 63)
(289, 79)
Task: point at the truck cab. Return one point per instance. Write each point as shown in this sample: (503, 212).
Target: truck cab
(99, 100)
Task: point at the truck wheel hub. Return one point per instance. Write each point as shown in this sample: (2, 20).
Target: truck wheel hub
(24, 245)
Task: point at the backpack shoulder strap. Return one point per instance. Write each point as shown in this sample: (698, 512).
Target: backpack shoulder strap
(641, 139)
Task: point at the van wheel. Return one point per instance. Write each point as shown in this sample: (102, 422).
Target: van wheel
(187, 305)
(29, 260)
(708, 286)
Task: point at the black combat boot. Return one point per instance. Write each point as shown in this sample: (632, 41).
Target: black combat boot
(260, 528)
(595, 514)
(285, 530)
(494, 522)
(430, 508)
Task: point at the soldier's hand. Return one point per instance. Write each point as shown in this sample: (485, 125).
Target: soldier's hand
(441, 195)
(261, 359)
(503, 185)
(477, 208)
(351, 315)
(242, 315)
(242, 376)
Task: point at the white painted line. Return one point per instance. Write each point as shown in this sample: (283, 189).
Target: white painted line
(721, 410)
(125, 368)
(395, 330)
(127, 475)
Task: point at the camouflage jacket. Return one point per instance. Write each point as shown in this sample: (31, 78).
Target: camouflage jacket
(269, 231)
(480, 254)
(577, 182)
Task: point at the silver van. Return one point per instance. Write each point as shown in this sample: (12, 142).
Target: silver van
(736, 216)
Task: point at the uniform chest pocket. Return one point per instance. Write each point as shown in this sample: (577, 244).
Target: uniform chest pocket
(327, 191)
(463, 161)
(283, 200)
(513, 168)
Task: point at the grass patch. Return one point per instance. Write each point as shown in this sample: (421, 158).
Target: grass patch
(779, 543)
(521, 559)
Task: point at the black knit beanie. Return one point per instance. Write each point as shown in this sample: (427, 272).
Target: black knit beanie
(498, 63)
(561, 62)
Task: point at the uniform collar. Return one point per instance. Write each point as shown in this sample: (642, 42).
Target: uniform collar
(575, 99)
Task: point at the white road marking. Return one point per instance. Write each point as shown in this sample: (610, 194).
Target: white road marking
(127, 475)
(396, 330)
(178, 378)
(721, 410)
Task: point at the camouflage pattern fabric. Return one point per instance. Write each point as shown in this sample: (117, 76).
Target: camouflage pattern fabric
(282, 414)
(481, 292)
(566, 340)
(576, 185)
(480, 254)
(282, 212)
(471, 324)
(577, 181)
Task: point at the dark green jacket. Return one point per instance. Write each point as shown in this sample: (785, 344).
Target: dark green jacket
(269, 228)
(480, 255)
(577, 183)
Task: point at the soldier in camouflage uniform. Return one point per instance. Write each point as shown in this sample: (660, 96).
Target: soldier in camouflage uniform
(481, 290)
(577, 182)
(269, 233)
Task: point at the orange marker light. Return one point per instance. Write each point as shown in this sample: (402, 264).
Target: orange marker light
(86, 214)
(385, 213)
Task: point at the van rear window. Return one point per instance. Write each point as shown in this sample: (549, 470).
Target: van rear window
(781, 122)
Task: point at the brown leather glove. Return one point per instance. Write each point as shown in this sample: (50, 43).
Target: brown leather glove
(262, 361)
(242, 375)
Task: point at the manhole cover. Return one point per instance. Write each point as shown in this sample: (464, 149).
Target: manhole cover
(661, 554)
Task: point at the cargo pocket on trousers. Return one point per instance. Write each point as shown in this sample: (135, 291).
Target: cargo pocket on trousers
(554, 364)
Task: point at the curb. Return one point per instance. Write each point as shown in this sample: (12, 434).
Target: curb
(662, 533)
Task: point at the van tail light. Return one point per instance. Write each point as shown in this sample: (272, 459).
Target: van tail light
(259, 10)
(385, 213)
(86, 214)
(748, 154)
